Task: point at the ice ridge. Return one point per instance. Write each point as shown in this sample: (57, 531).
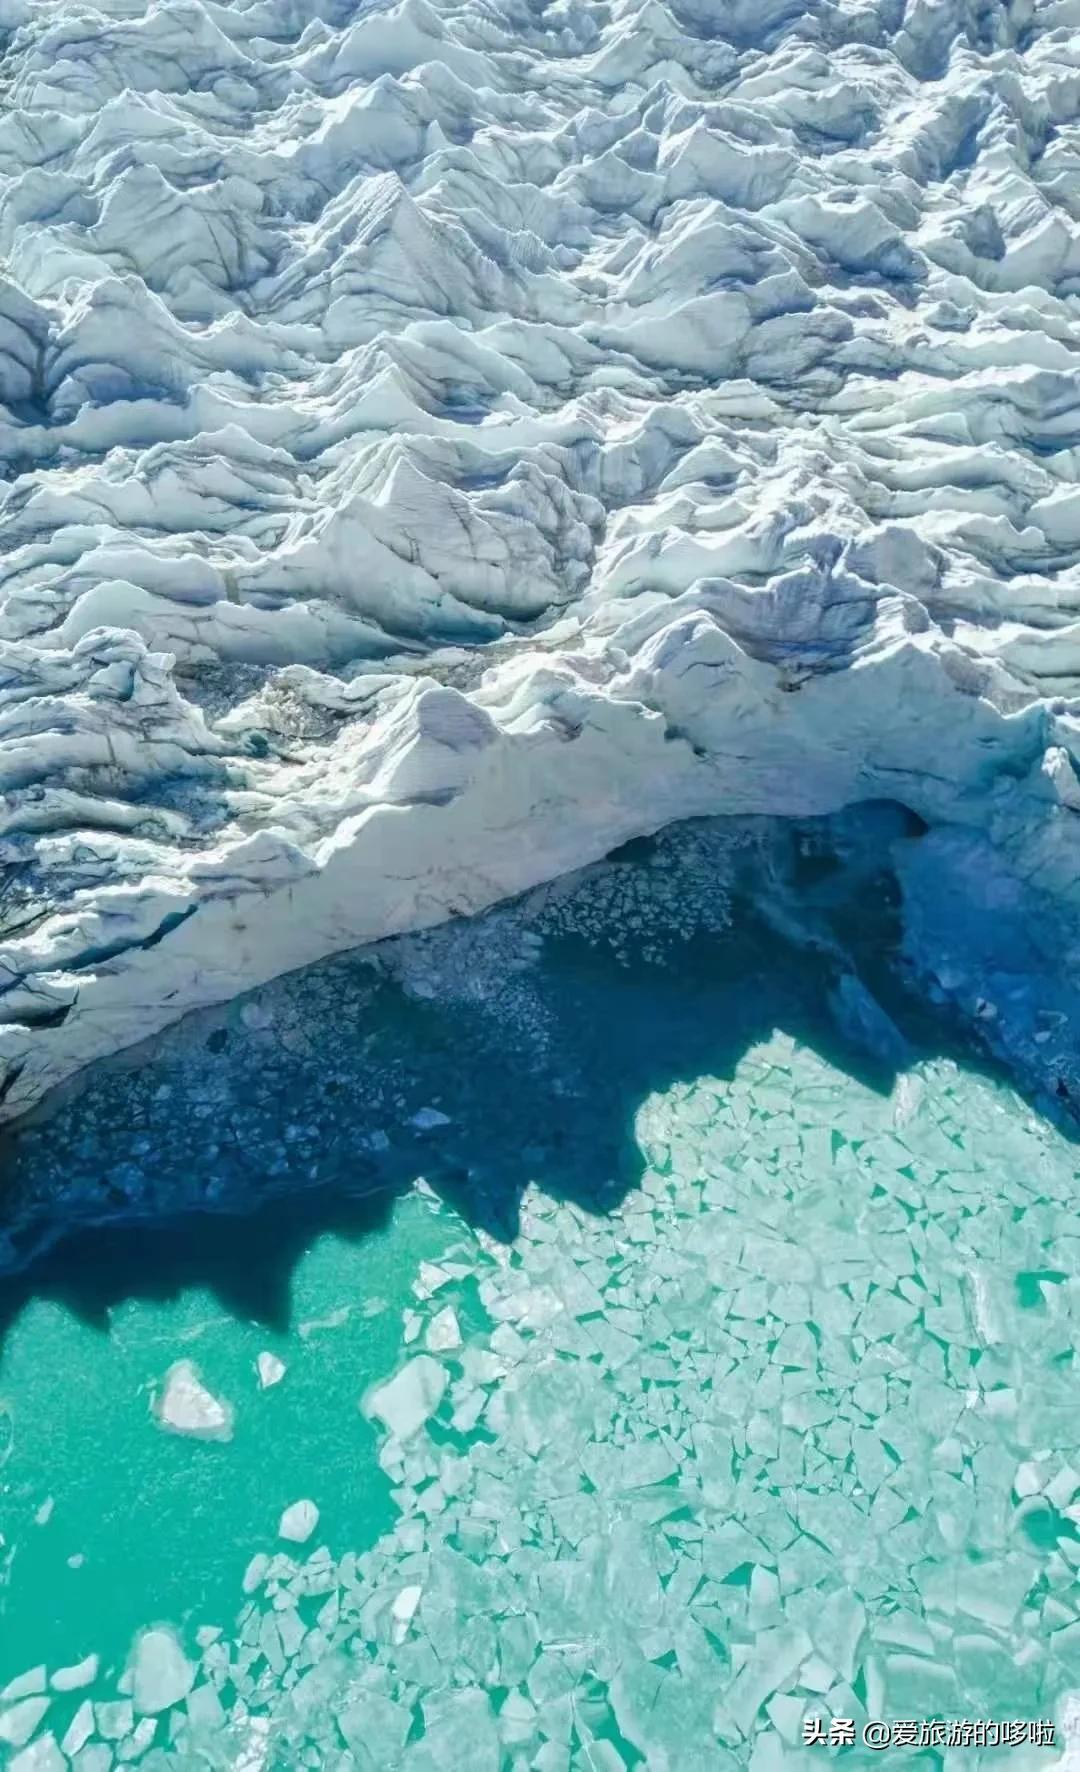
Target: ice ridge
(442, 441)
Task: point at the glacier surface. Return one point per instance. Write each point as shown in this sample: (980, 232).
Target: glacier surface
(443, 441)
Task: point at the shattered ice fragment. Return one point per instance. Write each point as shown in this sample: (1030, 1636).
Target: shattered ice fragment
(97, 1758)
(406, 1401)
(19, 1721)
(427, 1118)
(162, 1673)
(44, 1512)
(81, 1673)
(403, 1610)
(298, 1522)
(185, 1406)
(80, 1728)
(204, 1708)
(443, 1331)
(42, 1756)
(27, 1685)
(139, 1739)
(254, 1574)
(270, 1369)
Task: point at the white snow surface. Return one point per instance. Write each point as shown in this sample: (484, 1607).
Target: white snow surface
(442, 441)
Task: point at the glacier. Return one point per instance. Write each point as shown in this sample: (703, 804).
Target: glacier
(441, 442)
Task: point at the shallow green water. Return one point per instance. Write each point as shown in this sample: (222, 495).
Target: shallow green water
(719, 1375)
(129, 1523)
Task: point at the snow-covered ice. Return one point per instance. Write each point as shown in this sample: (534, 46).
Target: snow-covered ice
(442, 441)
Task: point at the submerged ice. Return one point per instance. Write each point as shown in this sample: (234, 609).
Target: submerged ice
(441, 442)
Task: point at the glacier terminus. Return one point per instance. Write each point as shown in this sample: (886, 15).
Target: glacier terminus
(443, 441)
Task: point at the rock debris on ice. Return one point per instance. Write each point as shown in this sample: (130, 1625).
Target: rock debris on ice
(441, 442)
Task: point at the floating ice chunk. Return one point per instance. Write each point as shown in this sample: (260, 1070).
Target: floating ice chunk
(204, 1708)
(27, 1685)
(45, 1512)
(139, 1739)
(403, 1611)
(837, 1627)
(375, 1728)
(162, 1674)
(115, 1720)
(427, 1118)
(19, 1721)
(185, 1406)
(270, 1369)
(43, 1756)
(298, 1522)
(79, 1729)
(255, 1573)
(406, 1401)
(774, 1658)
(80, 1673)
(96, 1758)
(443, 1331)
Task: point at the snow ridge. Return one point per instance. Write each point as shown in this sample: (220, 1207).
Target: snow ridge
(443, 441)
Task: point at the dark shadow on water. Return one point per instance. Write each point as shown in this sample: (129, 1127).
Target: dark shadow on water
(300, 1105)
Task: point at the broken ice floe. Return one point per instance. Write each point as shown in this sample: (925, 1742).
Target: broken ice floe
(185, 1406)
(672, 1479)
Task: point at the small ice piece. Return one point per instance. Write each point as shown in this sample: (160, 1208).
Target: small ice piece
(443, 1331)
(44, 1512)
(185, 1406)
(298, 1522)
(80, 1728)
(403, 1610)
(270, 1369)
(162, 1673)
(427, 1118)
(406, 1401)
(19, 1721)
(254, 1574)
(81, 1673)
